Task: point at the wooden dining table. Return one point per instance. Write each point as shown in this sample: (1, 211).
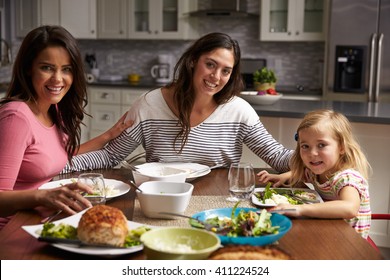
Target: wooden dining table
(308, 239)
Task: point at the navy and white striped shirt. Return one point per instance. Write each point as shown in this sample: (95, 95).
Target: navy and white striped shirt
(217, 140)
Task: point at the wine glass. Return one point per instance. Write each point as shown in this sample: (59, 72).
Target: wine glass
(241, 181)
(96, 182)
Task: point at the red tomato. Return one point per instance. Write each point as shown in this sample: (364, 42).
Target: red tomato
(272, 91)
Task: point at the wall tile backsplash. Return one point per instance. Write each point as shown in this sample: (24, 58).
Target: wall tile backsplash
(294, 62)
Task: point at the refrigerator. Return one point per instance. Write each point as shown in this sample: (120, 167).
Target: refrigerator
(358, 51)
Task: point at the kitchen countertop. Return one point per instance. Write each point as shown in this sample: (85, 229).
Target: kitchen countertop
(363, 112)
(150, 83)
(143, 83)
(295, 104)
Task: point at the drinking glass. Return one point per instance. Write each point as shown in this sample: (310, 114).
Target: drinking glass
(96, 182)
(241, 181)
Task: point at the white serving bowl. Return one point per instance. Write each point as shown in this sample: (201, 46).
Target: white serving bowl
(159, 196)
(160, 173)
(266, 99)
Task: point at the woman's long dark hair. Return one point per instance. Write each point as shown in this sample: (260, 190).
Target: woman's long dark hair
(183, 83)
(69, 112)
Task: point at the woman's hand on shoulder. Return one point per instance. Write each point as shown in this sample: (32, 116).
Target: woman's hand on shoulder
(121, 125)
(100, 141)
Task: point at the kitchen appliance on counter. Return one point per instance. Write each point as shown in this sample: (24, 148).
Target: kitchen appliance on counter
(358, 51)
(162, 72)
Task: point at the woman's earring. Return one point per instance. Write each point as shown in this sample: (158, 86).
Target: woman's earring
(296, 137)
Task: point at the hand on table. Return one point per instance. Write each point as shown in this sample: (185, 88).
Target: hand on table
(68, 198)
(277, 180)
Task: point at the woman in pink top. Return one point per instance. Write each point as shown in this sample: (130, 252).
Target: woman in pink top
(40, 120)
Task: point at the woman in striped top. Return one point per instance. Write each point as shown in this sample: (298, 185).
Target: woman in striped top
(329, 157)
(196, 118)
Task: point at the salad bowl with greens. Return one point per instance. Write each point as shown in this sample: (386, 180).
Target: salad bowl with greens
(245, 226)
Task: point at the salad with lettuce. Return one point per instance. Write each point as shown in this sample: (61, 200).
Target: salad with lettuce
(245, 223)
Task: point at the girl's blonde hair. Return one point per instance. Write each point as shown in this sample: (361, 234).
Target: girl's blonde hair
(340, 127)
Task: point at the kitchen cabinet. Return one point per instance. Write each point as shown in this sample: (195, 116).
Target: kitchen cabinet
(77, 16)
(33, 13)
(373, 138)
(107, 105)
(112, 19)
(293, 20)
(26, 16)
(161, 19)
(49, 12)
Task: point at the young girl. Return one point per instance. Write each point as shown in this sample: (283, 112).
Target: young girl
(328, 156)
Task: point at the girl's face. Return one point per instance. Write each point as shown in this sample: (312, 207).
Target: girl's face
(51, 75)
(212, 71)
(319, 150)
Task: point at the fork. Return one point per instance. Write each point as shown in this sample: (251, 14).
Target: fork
(51, 218)
(206, 226)
(127, 165)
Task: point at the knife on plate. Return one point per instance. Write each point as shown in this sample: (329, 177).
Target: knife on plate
(77, 242)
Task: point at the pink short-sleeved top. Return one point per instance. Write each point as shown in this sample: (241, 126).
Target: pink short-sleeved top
(31, 154)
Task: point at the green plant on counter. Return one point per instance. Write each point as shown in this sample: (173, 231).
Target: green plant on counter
(264, 75)
(264, 80)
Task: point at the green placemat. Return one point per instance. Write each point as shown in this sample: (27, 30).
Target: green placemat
(197, 204)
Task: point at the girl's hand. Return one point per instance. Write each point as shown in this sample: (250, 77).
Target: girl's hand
(68, 198)
(282, 206)
(265, 177)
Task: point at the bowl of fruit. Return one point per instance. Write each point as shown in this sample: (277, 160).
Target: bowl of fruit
(267, 97)
(264, 81)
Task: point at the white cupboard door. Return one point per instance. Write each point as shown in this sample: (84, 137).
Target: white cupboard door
(102, 95)
(293, 20)
(79, 18)
(50, 12)
(26, 16)
(104, 116)
(161, 19)
(112, 19)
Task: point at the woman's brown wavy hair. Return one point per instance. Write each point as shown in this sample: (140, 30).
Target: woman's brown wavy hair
(69, 112)
(183, 83)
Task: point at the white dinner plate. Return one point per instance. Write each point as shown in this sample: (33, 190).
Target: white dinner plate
(115, 188)
(258, 202)
(194, 170)
(35, 230)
